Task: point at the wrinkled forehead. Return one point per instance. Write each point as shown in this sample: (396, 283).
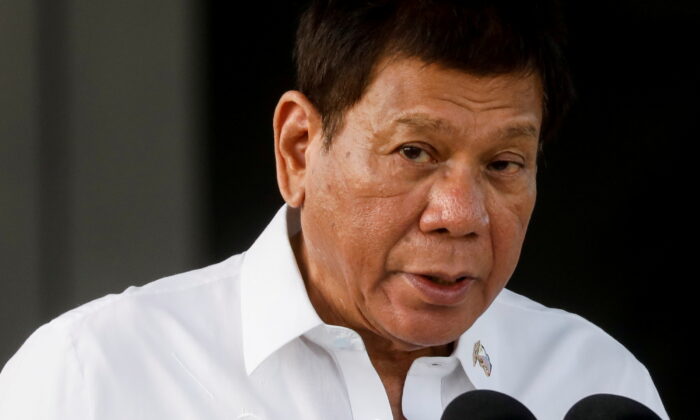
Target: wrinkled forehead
(434, 97)
(422, 66)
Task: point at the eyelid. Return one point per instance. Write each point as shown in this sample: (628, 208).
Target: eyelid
(510, 156)
(423, 147)
(521, 166)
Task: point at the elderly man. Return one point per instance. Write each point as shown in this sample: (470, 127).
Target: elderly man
(407, 161)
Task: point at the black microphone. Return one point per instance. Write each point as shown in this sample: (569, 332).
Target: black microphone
(484, 404)
(610, 407)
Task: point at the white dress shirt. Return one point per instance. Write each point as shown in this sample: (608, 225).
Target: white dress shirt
(241, 340)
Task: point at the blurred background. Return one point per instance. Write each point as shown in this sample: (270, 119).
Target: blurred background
(136, 142)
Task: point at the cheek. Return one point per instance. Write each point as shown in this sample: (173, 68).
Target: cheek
(372, 175)
(510, 217)
(361, 206)
(373, 191)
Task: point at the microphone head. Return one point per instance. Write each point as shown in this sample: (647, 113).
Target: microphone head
(610, 407)
(484, 404)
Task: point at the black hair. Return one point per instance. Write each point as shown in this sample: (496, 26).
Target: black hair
(339, 43)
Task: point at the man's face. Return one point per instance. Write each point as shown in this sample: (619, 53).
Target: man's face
(413, 221)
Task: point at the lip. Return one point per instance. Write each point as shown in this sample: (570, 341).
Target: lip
(439, 294)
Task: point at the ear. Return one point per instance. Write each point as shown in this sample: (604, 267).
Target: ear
(296, 124)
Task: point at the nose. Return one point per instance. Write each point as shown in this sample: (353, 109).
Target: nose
(456, 206)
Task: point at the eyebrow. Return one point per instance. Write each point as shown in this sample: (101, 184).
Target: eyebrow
(422, 121)
(519, 130)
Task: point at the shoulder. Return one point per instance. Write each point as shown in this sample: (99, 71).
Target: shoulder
(562, 348)
(539, 327)
(184, 294)
(118, 336)
(560, 335)
(31, 380)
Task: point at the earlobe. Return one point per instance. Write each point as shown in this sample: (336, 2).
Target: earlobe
(296, 124)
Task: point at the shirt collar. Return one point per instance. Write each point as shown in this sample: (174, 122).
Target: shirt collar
(275, 307)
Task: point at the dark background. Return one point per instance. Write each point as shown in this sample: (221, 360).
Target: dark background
(612, 233)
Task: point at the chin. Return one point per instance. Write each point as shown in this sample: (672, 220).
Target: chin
(414, 342)
(428, 331)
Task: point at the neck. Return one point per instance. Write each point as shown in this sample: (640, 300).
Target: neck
(391, 359)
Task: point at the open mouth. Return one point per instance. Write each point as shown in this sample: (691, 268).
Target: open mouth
(441, 288)
(442, 281)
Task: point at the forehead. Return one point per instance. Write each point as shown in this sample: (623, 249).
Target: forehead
(431, 97)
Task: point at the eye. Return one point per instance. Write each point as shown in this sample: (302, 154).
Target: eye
(506, 166)
(415, 154)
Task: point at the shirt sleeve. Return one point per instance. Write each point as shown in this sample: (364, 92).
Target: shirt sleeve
(44, 379)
